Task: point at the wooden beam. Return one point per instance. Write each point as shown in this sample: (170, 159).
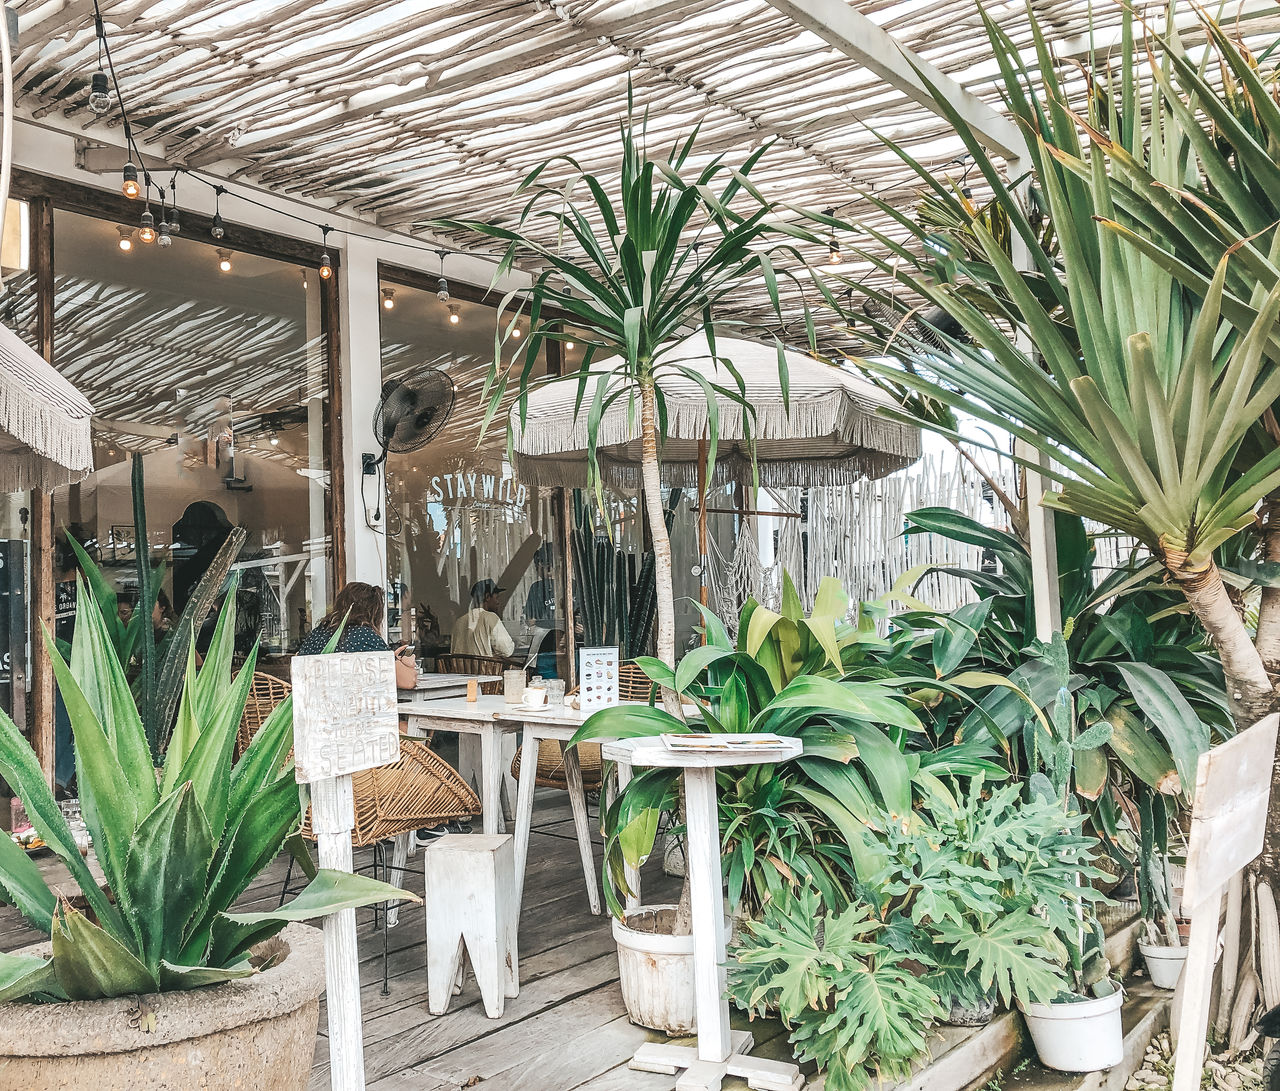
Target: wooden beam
(858, 38)
(42, 544)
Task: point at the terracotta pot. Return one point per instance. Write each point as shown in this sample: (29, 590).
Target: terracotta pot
(256, 1033)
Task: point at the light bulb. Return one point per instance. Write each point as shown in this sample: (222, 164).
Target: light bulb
(99, 93)
(224, 261)
(569, 345)
(162, 236)
(147, 226)
(388, 299)
(129, 182)
(126, 238)
(454, 316)
(834, 256)
(175, 228)
(275, 440)
(515, 333)
(326, 267)
(217, 230)
(442, 290)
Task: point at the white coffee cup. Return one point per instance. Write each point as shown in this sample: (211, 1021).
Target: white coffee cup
(535, 696)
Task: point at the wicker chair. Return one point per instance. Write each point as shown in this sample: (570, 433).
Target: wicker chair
(482, 666)
(265, 692)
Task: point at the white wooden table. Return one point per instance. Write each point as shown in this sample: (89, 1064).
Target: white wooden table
(475, 724)
(719, 1052)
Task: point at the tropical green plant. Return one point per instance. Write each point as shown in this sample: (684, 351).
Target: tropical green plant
(177, 845)
(160, 668)
(992, 888)
(643, 271)
(1148, 408)
(616, 595)
(802, 822)
(851, 1003)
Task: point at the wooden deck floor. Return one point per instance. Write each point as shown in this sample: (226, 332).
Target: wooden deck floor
(567, 1031)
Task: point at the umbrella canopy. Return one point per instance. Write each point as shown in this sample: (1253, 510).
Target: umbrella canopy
(44, 422)
(832, 432)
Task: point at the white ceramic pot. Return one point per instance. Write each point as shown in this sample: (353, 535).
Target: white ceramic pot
(1079, 1035)
(1164, 964)
(655, 970)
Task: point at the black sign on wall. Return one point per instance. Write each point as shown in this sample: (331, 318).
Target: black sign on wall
(13, 629)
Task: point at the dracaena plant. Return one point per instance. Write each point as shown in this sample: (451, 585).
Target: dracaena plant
(1149, 407)
(177, 845)
(634, 260)
(808, 677)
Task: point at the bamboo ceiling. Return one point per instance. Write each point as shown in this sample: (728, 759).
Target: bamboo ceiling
(401, 111)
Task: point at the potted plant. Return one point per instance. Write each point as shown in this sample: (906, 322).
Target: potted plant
(807, 822)
(1161, 945)
(851, 1002)
(151, 972)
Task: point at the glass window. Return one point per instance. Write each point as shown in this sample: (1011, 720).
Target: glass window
(211, 365)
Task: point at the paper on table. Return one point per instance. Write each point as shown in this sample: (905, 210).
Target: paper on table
(704, 743)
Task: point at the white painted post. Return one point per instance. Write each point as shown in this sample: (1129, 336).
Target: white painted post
(344, 721)
(706, 903)
(332, 818)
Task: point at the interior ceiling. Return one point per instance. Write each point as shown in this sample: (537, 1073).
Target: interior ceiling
(401, 112)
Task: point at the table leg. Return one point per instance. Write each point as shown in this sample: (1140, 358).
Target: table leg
(469, 761)
(524, 808)
(706, 894)
(399, 862)
(491, 781)
(630, 874)
(581, 823)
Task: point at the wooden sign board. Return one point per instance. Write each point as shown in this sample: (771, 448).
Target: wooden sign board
(1229, 814)
(344, 714)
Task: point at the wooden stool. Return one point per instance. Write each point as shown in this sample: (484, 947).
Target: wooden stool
(471, 902)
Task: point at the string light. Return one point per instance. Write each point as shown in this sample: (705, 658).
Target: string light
(834, 257)
(388, 299)
(442, 285)
(126, 238)
(515, 333)
(175, 228)
(218, 229)
(326, 263)
(162, 232)
(99, 94)
(455, 315)
(275, 440)
(569, 345)
(129, 182)
(224, 261)
(147, 225)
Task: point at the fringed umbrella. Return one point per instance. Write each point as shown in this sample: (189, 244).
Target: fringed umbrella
(830, 430)
(44, 422)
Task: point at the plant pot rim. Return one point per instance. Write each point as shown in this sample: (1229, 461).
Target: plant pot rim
(1162, 950)
(1068, 1009)
(654, 942)
(75, 1027)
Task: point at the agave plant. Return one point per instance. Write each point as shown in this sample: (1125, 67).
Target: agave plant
(643, 270)
(177, 845)
(1146, 405)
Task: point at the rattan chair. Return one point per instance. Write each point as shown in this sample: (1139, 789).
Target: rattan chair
(633, 683)
(482, 666)
(265, 692)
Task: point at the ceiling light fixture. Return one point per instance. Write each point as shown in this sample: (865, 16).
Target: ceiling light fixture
(224, 261)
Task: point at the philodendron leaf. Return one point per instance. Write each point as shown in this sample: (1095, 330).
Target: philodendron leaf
(327, 893)
(90, 964)
(23, 975)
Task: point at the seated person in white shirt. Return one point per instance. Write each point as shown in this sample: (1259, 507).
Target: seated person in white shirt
(480, 630)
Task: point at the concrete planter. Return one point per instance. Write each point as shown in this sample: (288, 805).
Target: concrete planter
(258, 1033)
(655, 970)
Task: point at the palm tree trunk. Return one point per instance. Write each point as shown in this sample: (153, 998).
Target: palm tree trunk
(1268, 639)
(652, 480)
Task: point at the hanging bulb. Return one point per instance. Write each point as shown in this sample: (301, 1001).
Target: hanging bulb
(175, 228)
(442, 290)
(569, 345)
(129, 184)
(217, 230)
(126, 238)
(388, 299)
(147, 226)
(162, 232)
(224, 261)
(326, 267)
(515, 333)
(454, 315)
(275, 440)
(99, 93)
(834, 257)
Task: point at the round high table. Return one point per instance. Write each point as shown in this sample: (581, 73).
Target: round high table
(719, 1052)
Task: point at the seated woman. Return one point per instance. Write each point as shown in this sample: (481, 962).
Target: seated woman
(364, 609)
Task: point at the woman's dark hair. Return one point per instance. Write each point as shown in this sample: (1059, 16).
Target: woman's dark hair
(359, 604)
